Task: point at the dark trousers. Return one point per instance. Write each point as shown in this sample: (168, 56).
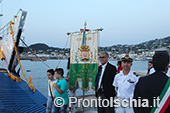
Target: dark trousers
(104, 109)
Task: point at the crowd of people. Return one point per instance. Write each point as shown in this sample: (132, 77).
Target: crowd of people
(121, 83)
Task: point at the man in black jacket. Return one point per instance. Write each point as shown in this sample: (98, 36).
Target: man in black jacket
(104, 80)
(150, 87)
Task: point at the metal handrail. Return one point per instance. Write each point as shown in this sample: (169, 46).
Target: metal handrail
(4, 31)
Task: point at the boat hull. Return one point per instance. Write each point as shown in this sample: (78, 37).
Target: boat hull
(16, 96)
(6, 42)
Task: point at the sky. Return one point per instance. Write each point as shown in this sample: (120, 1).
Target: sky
(123, 21)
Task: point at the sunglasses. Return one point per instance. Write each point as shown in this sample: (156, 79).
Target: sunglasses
(102, 57)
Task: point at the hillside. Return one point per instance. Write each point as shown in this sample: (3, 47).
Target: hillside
(41, 47)
(137, 48)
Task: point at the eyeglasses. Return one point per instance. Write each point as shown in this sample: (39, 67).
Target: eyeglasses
(102, 57)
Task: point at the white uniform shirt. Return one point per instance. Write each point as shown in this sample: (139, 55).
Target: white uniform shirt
(52, 87)
(126, 84)
(100, 80)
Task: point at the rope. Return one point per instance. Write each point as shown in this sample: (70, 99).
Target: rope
(14, 77)
(34, 53)
(1, 55)
(15, 48)
(64, 50)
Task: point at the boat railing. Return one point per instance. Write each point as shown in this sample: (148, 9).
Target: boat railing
(4, 31)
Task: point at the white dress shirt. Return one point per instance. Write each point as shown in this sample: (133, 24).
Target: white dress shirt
(152, 70)
(168, 72)
(100, 80)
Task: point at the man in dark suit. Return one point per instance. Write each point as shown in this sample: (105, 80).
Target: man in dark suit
(104, 80)
(151, 87)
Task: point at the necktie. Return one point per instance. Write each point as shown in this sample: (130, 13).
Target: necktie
(98, 77)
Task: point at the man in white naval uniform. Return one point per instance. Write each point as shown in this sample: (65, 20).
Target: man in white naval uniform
(125, 82)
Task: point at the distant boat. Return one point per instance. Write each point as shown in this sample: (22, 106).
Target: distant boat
(36, 59)
(148, 58)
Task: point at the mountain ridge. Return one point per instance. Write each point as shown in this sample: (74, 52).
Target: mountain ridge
(119, 48)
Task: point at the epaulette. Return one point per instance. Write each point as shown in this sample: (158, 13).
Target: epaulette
(136, 74)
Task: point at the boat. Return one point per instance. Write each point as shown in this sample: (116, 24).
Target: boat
(16, 95)
(36, 59)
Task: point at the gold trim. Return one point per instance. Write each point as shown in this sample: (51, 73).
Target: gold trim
(3, 71)
(80, 79)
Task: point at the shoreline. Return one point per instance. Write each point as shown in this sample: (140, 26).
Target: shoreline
(61, 58)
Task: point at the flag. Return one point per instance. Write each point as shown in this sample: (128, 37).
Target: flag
(83, 58)
(164, 99)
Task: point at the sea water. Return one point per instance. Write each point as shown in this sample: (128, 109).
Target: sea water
(38, 71)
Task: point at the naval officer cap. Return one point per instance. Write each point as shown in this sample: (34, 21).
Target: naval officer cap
(127, 58)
